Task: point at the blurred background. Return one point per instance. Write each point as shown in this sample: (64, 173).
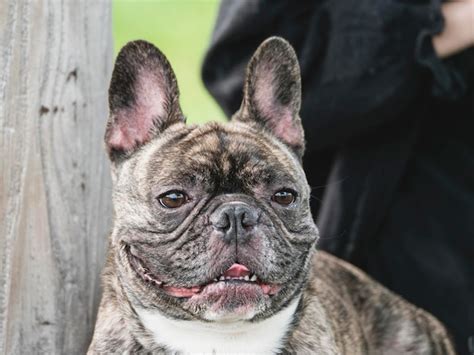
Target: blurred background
(181, 29)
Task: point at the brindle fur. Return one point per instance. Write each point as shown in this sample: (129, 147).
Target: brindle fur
(341, 310)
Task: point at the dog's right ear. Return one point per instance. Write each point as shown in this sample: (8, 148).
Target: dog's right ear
(143, 99)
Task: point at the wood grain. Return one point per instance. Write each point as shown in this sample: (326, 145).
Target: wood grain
(55, 64)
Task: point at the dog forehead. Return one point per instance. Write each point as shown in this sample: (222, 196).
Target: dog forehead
(230, 155)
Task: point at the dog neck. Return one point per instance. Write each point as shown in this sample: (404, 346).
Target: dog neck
(264, 337)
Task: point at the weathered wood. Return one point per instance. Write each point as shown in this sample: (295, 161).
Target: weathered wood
(55, 63)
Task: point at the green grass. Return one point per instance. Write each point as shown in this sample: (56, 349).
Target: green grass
(182, 30)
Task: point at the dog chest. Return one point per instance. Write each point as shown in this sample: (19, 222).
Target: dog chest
(265, 337)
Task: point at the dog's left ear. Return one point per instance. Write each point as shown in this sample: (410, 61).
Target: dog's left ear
(272, 93)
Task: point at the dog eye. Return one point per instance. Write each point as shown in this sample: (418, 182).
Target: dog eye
(172, 199)
(284, 197)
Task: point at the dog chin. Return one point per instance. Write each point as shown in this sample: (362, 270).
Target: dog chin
(229, 301)
(241, 313)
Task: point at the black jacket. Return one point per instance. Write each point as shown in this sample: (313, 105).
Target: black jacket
(390, 137)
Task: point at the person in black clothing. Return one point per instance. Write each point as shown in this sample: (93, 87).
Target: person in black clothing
(390, 133)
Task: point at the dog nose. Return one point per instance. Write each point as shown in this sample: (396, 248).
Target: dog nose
(235, 221)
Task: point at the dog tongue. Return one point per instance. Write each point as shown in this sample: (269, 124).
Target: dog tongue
(237, 270)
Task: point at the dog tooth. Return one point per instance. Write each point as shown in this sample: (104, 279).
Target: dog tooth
(227, 277)
(253, 278)
(246, 277)
(215, 280)
(222, 278)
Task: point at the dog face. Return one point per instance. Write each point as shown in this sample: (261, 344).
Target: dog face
(211, 222)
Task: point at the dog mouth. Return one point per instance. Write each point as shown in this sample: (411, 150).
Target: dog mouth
(236, 277)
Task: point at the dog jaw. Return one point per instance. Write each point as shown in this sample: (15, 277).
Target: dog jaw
(234, 295)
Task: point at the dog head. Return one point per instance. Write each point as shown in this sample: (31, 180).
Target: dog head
(211, 222)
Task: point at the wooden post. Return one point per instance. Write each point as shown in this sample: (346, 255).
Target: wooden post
(55, 64)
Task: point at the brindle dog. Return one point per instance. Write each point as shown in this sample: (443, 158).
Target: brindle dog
(213, 243)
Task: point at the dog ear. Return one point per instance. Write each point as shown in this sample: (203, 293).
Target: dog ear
(143, 99)
(272, 93)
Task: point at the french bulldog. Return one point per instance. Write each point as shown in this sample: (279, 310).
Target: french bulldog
(212, 248)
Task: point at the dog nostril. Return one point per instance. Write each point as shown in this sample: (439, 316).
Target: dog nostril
(247, 221)
(223, 222)
(247, 218)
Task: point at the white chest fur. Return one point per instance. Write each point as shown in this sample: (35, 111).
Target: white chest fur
(194, 337)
